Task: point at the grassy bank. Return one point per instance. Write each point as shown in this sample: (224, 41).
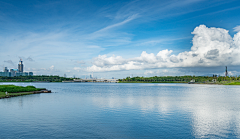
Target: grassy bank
(13, 90)
(233, 83)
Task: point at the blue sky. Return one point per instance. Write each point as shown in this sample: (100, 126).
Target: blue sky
(121, 38)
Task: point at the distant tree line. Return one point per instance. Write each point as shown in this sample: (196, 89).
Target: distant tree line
(179, 79)
(38, 78)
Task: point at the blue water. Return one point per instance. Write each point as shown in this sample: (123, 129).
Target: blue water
(111, 110)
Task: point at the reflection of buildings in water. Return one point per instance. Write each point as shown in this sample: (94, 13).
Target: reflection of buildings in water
(20, 102)
(29, 99)
(215, 110)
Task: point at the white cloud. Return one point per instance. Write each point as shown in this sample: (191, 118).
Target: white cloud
(50, 69)
(77, 68)
(132, 17)
(164, 54)
(81, 62)
(211, 47)
(237, 28)
(148, 72)
(163, 72)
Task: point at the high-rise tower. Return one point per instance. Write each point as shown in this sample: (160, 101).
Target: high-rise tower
(226, 72)
(20, 66)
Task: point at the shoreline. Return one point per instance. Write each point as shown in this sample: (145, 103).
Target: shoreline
(10, 90)
(15, 94)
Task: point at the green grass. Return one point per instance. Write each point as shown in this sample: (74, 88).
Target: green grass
(19, 94)
(2, 94)
(15, 89)
(233, 83)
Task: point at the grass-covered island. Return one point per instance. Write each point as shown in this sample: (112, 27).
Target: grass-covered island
(7, 91)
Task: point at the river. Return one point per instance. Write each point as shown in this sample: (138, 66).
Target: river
(115, 110)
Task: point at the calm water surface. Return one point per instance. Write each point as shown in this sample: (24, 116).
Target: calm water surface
(107, 110)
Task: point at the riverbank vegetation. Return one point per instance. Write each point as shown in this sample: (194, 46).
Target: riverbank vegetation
(13, 90)
(40, 78)
(184, 79)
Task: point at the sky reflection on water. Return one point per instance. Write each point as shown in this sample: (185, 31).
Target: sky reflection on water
(214, 109)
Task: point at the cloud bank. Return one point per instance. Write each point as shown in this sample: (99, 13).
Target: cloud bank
(211, 47)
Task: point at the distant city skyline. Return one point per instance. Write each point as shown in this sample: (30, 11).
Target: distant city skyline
(11, 72)
(121, 38)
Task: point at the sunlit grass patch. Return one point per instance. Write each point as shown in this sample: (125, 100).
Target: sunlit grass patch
(233, 83)
(14, 89)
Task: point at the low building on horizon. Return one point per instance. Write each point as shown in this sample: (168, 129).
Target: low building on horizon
(5, 74)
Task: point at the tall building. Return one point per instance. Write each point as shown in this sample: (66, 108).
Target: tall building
(226, 72)
(15, 72)
(20, 66)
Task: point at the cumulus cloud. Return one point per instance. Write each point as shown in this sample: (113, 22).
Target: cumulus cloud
(103, 60)
(211, 47)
